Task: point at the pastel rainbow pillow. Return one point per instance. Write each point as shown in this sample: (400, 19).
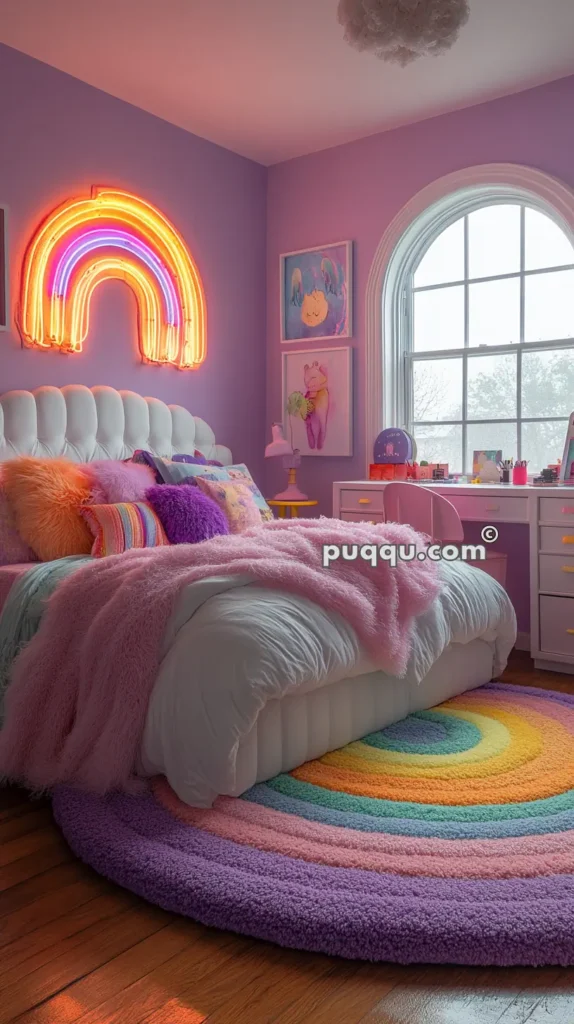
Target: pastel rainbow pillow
(121, 527)
(235, 500)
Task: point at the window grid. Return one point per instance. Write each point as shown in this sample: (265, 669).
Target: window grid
(517, 349)
(522, 332)
(466, 342)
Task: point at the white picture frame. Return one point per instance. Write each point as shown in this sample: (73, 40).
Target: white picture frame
(316, 282)
(322, 377)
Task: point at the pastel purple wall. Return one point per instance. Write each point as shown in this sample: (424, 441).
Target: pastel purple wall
(354, 191)
(60, 136)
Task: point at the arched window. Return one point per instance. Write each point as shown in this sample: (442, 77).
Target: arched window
(478, 328)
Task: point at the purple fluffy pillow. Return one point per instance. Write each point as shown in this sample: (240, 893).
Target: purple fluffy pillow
(115, 482)
(186, 514)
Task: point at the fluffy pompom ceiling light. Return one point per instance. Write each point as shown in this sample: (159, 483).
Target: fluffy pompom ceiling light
(402, 30)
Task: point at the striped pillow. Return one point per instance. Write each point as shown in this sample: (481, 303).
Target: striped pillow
(118, 528)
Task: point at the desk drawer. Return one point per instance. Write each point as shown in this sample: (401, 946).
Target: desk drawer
(361, 517)
(557, 538)
(557, 574)
(489, 510)
(557, 510)
(363, 501)
(557, 625)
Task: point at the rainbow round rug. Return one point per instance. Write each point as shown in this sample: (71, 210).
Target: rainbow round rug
(446, 838)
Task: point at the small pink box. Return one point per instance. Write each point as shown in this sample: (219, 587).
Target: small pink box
(520, 475)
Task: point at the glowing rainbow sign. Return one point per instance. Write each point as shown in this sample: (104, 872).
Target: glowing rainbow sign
(113, 235)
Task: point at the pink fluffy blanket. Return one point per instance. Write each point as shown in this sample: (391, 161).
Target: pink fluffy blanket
(77, 702)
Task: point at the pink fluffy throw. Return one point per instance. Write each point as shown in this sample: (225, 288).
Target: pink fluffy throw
(77, 703)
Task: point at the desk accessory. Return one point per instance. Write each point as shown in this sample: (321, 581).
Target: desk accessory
(394, 446)
(394, 453)
(389, 471)
(431, 471)
(520, 473)
(505, 469)
(548, 478)
(485, 465)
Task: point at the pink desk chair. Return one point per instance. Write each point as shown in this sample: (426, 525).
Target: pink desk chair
(431, 513)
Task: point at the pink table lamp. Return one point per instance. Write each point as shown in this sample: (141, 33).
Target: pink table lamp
(291, 460)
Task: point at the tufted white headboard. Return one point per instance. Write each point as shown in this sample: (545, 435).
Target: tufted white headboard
(99, 423)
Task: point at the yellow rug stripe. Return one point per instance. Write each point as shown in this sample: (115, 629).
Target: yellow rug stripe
(526, 744)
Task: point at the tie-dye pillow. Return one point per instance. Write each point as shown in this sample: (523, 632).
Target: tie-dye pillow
(121, 527)
(235, 501)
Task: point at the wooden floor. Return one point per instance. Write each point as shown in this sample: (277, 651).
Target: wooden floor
(73, 947)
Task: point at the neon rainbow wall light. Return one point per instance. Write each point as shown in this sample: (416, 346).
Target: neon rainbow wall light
(113, 235)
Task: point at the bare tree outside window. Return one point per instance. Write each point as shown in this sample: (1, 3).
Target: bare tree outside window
(488, 338)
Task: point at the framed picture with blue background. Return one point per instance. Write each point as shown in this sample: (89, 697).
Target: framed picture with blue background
(317, 293)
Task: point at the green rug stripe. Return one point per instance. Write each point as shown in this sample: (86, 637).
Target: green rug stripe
(309, 793)
(461, 736)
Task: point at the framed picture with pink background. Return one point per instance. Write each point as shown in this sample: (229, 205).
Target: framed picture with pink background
(318, 400)
(317, 293)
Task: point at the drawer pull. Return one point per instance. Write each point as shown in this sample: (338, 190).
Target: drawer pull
(570, 630)
(568, 510)
(568, 540)
(493, 508)
(568, 568)
(364, 501)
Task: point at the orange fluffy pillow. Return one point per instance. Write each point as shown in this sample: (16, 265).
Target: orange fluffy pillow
(45, 497)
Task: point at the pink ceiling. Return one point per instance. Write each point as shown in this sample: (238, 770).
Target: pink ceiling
(273, 79)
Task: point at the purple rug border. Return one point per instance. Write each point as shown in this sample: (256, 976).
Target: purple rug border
(355, 924)
(346, 912)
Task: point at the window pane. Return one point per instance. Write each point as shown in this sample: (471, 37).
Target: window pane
(444, 261)
(546, 244)
(494, 313)
(494, 241)
(437, 389)
(491, 390)
(543, 443)
(481, 436)
(549, 306)
(548, 383)
(439, 319)
(440, 444)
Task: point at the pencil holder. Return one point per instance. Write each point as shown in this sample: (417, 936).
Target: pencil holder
(520, 475)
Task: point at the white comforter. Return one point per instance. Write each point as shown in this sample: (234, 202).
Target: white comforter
(231, 646)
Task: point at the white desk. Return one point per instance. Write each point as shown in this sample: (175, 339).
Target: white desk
(549, 513)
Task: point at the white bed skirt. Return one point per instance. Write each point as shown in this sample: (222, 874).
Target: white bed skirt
(300, 727)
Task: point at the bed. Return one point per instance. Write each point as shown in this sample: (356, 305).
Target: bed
(253, 681)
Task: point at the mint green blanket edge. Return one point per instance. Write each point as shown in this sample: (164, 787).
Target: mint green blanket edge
(24, 607)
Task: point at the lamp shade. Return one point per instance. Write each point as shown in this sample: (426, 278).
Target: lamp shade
(279, 445)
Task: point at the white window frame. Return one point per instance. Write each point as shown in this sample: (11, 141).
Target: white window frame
(404, 243)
